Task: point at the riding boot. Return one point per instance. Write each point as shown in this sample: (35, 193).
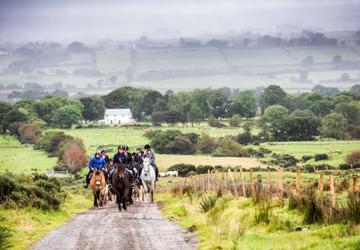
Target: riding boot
(156, 172)
(87, 180)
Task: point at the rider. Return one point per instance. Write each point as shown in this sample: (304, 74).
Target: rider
(105, 156)
(138, 156)
(128, 162)
(148, 153)
(96, 162)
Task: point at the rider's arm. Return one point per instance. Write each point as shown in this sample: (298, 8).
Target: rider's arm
(90, 165)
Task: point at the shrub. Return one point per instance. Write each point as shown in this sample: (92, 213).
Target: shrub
(208, 203)
(306, 158)
(52, 141)
(7, 185)
(228, 147)
(320, 157)
(73, 155)
(206, 144)
(5, 234)
(244, 138)
(183, 169)
(285, 160)
(308, 168)
(29, 133)
(173, 142)
(235, 121)
(203, 169)
(263, 213)
(213, 122)
(352, 210)
(353, 158)
(345, 166)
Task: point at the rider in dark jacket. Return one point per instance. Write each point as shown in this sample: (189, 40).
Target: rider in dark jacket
(120, 155)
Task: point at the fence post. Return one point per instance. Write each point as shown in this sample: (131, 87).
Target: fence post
(280, 183)
(321, 184)
(355, 184)
(243, 181)
(252, 186)
(298, 179)
(332, 191)
(269, 180)
(234, 185)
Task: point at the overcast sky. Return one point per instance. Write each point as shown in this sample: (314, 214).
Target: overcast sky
(40, 20)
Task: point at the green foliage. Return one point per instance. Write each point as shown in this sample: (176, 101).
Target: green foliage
(5, 234)
(94, 108)
(207, 203)
(262, 213)
(66, 116)
(235, 121)
(229, 147)
(206, 144)
(183, 169)
(352, 211)
(213, 122)
(272, 95)
(244, 104)
(37, 191)
(334, 126)
(320, 157)
(51, 142)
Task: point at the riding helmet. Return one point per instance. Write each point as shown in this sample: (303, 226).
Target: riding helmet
(147, 146)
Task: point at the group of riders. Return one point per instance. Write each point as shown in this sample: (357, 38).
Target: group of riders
(101, 161)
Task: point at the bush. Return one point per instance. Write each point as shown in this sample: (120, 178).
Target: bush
(308, 168)
(29, 133)
(244, 138)
(235, 121)
(352, 210)
(52, 141)
(353, 158)
(320, 157)
(173, 142)
(285, 160)
(263, 213)
(306, 158)
(228, 147)
(213, 122)
(183, 169)
(208, 203)
(7, 185)
(5, 234)
(36, 190)
(203, 169)
(206, 144)
(73, 155)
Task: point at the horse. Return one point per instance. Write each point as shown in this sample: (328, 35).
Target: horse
(148, 178)
(120, 185)
(98, 186)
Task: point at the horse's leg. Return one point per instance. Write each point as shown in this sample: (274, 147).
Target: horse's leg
(118, 200)
(152, 190)
(95, 200)
(129, 196)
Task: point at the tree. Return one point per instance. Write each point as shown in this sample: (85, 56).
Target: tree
(353, 158)
(206, 144)
(334, 126)
(299, 126)
(174, 116)
(275, 113)
(29, 132)
(150, 99)
(355, 89)
(158, 117)
(235, 121)
(272, 95)
(13, 119)
(94, 108)
(194, 114)
(4, 110)
(244, 104)
(73, 155)
(66, 116)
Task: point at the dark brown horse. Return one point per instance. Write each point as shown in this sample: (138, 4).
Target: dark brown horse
(120, 185)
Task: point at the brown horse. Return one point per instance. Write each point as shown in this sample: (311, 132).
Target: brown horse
(98, 186)
(120, 185)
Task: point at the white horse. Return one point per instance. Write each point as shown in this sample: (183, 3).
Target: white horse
(148, 178)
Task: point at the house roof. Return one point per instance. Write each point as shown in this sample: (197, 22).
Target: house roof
(118, 112)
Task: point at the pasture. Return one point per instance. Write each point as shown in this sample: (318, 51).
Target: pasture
(19, 158)
(337, 150)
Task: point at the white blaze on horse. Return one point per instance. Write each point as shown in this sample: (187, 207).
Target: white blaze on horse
(148, 178)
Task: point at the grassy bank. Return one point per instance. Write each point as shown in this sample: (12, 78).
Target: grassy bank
(30, 224)
(22, 158)
(234, 224)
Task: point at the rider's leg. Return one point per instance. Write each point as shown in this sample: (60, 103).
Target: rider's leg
(156, 171)
(106, 177)
(87, 180)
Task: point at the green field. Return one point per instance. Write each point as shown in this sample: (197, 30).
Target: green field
(20, 158)
(337, 150)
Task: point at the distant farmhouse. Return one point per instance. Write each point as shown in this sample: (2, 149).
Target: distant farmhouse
(118, 116)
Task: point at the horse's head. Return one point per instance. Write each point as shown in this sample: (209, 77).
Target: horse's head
(146, 167)
(120, 169)
(98, 176)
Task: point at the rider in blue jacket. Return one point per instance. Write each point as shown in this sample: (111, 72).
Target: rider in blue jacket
(96, 162)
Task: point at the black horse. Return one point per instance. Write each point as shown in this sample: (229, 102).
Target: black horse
(120, 185)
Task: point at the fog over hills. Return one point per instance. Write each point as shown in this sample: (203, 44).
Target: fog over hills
(41, 20)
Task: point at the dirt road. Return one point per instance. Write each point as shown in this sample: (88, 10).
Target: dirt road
(141, 227)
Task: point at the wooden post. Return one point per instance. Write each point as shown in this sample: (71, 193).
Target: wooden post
(355, 184)
(269, 180)
(280, 183)
(321, 184)
(298, 180)
(243, 182)
(332, 191)
(234, 185)
(252, 186)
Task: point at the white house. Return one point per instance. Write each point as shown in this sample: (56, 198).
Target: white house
(118, 116)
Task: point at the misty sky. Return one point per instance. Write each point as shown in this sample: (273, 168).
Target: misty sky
(40, 20)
